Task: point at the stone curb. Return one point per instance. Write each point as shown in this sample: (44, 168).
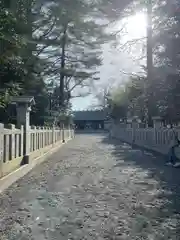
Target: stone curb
(14, 176)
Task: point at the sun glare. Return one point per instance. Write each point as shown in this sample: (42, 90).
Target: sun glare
(136, 26)
(133, 31)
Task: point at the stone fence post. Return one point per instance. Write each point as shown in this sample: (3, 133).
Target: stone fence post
(23, 107)
(12, 141)
(135, 125)
(1, 146)
(157, 124)
(23, 119)
(63, 134)
(53, 135)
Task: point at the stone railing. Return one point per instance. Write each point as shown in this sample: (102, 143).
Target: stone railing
(19, 146)
(157, 139)
(11, 148)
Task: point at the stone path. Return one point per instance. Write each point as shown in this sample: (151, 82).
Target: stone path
(94, 188)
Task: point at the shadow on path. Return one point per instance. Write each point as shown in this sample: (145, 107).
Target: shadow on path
(164, 216)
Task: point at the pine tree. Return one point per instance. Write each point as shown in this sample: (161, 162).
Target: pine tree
(75, 40)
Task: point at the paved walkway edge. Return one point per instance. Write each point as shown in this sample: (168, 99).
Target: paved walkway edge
(14, 176)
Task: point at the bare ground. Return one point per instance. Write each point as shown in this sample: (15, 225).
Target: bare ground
(94, 188)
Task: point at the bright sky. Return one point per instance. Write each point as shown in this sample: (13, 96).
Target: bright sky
(118, 60)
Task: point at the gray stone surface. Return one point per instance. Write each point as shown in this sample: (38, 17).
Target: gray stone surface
(94, 188)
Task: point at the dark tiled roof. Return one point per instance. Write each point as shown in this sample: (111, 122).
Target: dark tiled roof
(89, 115)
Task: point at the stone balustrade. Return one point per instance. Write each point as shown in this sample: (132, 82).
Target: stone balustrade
(11, 147)
(157, 139)
(15, 142)
(22, 144)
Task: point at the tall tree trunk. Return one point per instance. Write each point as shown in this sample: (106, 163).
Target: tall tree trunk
(62, 74)
(149, 58)
(31, 47)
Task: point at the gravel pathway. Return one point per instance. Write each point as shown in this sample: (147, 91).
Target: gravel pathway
(94, 188)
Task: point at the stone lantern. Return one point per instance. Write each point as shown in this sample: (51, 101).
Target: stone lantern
(23, 108)
(157, 122)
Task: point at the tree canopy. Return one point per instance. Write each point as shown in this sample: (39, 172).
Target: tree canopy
(50, 44)
(159, 94)
(51, 48)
